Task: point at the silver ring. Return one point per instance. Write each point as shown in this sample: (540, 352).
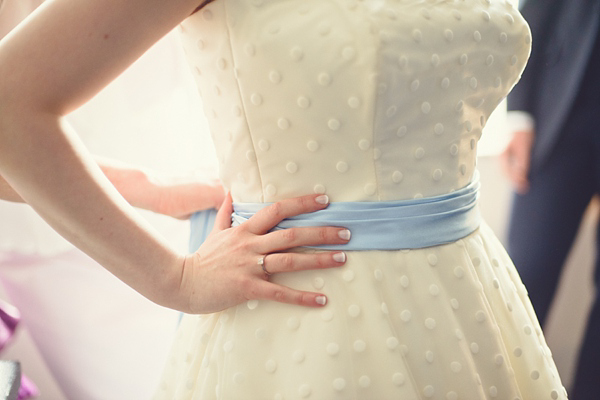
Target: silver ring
(261, 262)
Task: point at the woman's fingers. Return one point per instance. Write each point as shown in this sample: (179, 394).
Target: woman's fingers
(223, 218)
(267, 218)
(284, 239)
(264, 290)
(287, 262)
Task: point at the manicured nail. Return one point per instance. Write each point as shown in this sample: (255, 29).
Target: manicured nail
(344, 234)
(339, 257)
(322, 199)
(321, 300)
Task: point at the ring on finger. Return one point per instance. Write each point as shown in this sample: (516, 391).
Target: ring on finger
(261, 262)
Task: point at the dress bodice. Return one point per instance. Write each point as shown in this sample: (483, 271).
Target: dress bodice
(371, 100)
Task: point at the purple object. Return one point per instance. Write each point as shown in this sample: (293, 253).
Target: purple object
(9, 319)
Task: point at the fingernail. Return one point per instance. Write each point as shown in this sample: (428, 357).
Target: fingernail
(321, 300)
(322, 199)
(339, 257)
(344, 234)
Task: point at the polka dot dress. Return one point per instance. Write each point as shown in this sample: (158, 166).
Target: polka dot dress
(371, 100)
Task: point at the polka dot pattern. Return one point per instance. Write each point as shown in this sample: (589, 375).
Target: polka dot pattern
(363, 101)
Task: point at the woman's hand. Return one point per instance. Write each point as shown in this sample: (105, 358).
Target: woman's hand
(226, 270)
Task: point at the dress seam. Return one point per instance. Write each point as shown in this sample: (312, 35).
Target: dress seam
(242, 101)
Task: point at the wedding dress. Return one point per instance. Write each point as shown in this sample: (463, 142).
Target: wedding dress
(367, 101)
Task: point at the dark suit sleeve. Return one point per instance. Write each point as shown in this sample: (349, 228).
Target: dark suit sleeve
(541, 16)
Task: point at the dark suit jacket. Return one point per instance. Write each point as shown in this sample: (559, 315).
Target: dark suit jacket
(563, 36)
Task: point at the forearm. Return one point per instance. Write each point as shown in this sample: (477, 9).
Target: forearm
(50, 170)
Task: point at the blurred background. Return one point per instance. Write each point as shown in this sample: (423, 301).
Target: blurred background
(83, 328)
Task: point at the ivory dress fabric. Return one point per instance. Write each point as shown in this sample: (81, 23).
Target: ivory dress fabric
(366, 101)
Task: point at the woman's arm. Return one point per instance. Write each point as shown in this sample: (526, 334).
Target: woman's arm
(66, 52)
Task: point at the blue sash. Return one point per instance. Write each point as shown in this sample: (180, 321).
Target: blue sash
(390, 225)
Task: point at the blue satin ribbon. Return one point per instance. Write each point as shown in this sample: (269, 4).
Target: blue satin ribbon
(389, 225)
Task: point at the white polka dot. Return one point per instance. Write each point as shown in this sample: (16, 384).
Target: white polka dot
(384, 308)
(324, 79)
(474, 348)
(428, 391)
(304, 390)
(303, 102)
(493, 391)
(535, 375)
(327, 315)
(333, 349)
(437, 174)
(445, 83)
(477, 36)
(527, 329)
(334, 124)
(554, 395)
(296, 53)
(291, 167)
(228, 346)
(348, 53)
(480, 316)
(462, 60)
(274, 77)
(451, 395)
(432, 259)
(364, 381)
(271, 366)
(263, 145)
(341, 166)
(354, 311)
(312, 145)
(435, 60)
(348, 276)
(517, 352)
(405, 315)
(238, 378)
(283, 123)
(256, 99)
(354, 102)
(392, 343)
(270, 190)
(419, 153)
(448, 35)
(499, 359)
(429, 356)
(364, 144)
(370, 189)
(298, 356)
(454, 304)
(425, 107)
(293, 323)
(250, 156)
(401, 132)
(319, 189)
(252, 304)
(339, 384)
(456, 367)
(398, 379)
(397, 176)
(260, 333)
(359, 346)
(404, 281)
(430, 323)
(378, 274)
